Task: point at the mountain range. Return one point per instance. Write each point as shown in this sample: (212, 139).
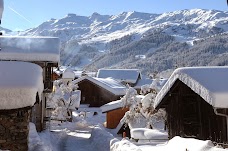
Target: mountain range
(150, 42)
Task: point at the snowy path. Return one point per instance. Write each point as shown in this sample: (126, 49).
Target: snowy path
(78, 140)
(76, 135)
(73, 136)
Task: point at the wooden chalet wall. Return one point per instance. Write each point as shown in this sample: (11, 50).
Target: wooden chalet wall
(47, 74)
(95, 95)
(39, 109)
(55, 76)
(188, 115)
(113, 117)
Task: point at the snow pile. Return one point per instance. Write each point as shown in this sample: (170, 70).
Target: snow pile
(35, 143)
(30, 48)
(177, 144)
(209, 82)
(20, 82)
(189, 144)
(123, 145)
(100, 138)
(145, 133)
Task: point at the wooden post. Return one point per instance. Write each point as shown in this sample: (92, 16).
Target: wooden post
(124, 134)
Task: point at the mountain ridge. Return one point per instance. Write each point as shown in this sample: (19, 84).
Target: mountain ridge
(104, 41)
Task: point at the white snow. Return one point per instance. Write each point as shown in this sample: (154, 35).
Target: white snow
(98, 30)
(20, 82)
(68, 74)
(76, 96)
(209, 82)
(109, 84)
(148, 134)
(35, 142)
(147, 101)
(126, 75)
(140, 56)
(112, 106)
(175, 144)
(88, 134)
(142, 82)
(30, 48)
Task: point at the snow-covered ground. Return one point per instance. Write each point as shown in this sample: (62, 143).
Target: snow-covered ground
(86, 133)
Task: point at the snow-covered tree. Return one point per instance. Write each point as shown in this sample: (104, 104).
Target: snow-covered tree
(141, 112)
(64, 99)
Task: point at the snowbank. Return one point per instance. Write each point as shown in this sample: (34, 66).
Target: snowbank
(35, 143)
(175, 144)
(101, 138)
(20, 82)
(124, 145)
(145, 133)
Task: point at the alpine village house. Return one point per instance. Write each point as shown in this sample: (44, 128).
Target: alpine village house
(195, 100)
(26, 66)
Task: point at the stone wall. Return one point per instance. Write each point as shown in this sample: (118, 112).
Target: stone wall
(14, 129)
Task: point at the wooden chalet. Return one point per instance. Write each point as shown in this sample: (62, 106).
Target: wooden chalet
(125, 76)
(114, 113)
(99, 91)
(55, 76)
(43, 51)
(195, 100)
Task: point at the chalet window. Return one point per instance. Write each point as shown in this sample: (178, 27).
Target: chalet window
(48, 84)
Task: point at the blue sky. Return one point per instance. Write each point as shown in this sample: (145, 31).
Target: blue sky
(24, 14)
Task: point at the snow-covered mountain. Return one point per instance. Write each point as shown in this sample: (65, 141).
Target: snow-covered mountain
(134, 39)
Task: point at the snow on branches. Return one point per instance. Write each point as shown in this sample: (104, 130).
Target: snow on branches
(141, 112)
(64, 98)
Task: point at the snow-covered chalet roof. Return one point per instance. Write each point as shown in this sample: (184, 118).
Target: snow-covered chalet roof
(109, 84)
(112, 106)
(211, 83)
(29, 48)
(142, 82)
(68, 74)
(116, 104)
(126, 75)
(19, 84)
